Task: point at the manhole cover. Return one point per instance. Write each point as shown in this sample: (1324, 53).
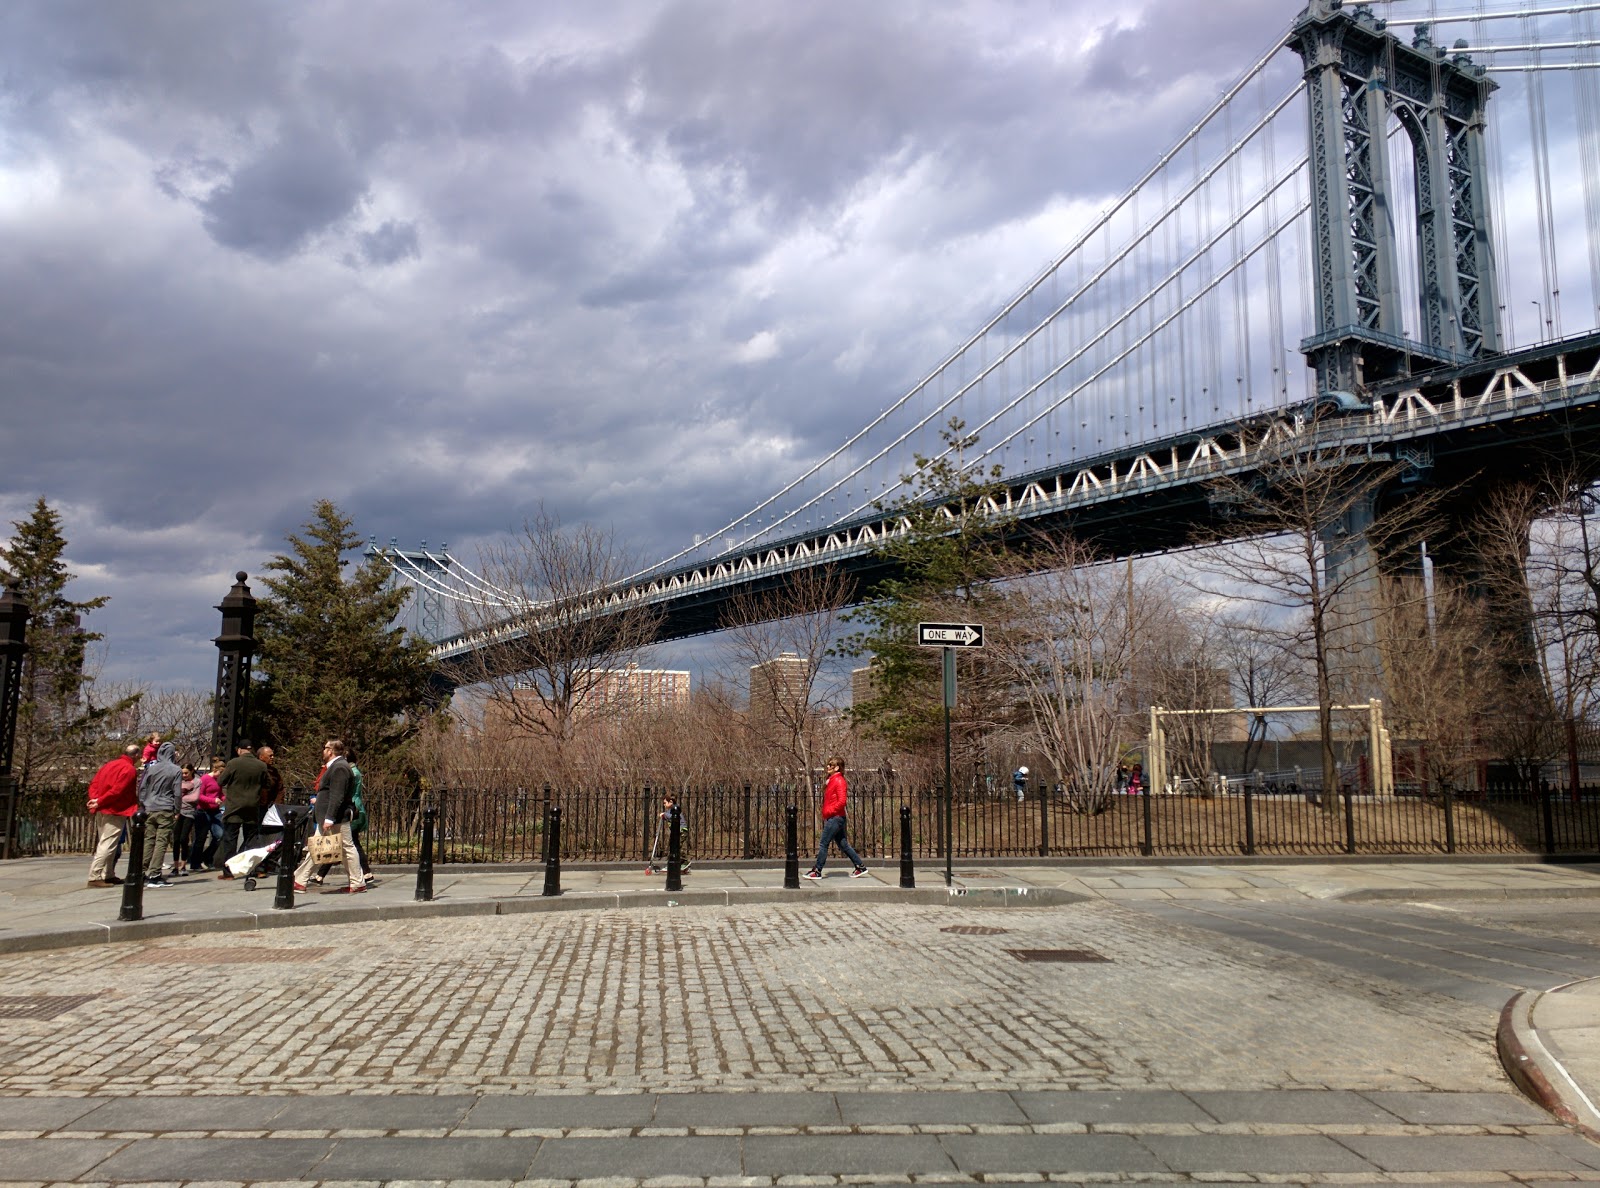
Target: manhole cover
(974, 930)
(1058, 955)
(40, 1006)
(225, 956)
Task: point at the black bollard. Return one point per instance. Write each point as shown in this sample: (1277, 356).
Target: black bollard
(288, 859)
(791, 851)
(908, 874)
(133, 885)
(552, 865)
(425, 857)
(674, 853)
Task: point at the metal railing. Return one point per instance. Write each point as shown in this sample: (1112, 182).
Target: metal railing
(746, 822)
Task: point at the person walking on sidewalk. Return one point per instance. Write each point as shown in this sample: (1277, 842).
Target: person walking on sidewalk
(160, 792)
(113, 798)
(834, 796)
(335, 808)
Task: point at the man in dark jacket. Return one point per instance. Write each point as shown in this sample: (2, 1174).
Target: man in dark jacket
(335, 806)
(113, 798)
(241, 781)
(160, 790)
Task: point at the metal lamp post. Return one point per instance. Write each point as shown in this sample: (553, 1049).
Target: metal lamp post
(235, 646)
(13, 643)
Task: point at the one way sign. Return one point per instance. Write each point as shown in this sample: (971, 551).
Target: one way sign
(950, 635)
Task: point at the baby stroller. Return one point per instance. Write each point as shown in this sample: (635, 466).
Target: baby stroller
(264, 851)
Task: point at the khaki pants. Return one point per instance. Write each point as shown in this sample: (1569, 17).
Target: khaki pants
(352, 861)
(158, 836)
(110, 830)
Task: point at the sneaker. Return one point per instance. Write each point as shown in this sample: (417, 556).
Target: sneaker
(813, 874)
(158, 881)
(299, 886)
(317, 879)
(370, 881)
(201, 869)
(355, 888)
(858, 872)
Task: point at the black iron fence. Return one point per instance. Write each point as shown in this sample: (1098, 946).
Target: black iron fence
(746, 822)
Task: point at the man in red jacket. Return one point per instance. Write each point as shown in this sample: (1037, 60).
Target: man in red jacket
(833, 823)
(113, 798)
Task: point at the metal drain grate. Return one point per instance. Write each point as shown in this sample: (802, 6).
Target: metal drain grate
(40, 1006)
(976, 874)
(238, 955)
(974, 930)
(1057, 955)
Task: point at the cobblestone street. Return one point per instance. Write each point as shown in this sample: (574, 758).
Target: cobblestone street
(759, 998)
(1188, 1025)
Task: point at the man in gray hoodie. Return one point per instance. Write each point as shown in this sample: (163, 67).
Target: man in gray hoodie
(160, 793)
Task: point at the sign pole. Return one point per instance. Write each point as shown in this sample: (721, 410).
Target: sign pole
(949, 702)
(948, 637)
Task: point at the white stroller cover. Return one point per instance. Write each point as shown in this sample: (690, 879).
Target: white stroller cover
(245, 861)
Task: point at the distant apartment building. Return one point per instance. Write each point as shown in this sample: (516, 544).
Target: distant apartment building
(863, 684)
(634, 688)
(613, 691)
(778, 690)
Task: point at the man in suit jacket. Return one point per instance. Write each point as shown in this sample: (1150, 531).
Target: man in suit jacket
(241, 784)
(335, 806)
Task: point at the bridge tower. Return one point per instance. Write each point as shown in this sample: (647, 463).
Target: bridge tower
(1358, 76)
(1361, 80)
(427, 601)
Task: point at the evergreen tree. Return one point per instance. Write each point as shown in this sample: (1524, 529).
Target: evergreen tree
(56, 722)
(334, 663)
(941, 569)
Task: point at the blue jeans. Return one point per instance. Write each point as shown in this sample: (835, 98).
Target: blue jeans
(207, 834)
(833, 834)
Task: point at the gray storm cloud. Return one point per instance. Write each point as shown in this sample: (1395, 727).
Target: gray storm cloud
(639, 261)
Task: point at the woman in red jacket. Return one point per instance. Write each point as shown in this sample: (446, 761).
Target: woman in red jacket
(833, 823)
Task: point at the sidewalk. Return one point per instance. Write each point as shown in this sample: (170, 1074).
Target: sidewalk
(1549, 1041)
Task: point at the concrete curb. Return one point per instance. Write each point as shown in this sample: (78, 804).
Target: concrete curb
(1525, 1060)
(313, 914)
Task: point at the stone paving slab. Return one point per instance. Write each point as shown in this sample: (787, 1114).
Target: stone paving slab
(212, 1159)
(1067, 1153)
(1450, 1153)
(1095, 1107)
(746, 1109)
(562, 1112)
(1468, 1109)
(44, 1113)
(851, 1154)
(1269, 1154)
(1331, 1106)
(53, 1159)
(636, 1158)
(865, 1109)
(430, 1159)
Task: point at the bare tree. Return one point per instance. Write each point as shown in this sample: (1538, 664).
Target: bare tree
(1305, 534)
(1262, 672)
(559, 630)
(1435, 654)
(782, 640)
(1065, 639)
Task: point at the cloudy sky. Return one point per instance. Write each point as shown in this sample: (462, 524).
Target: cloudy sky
(440, 262)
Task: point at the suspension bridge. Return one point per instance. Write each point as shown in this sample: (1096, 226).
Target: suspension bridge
(1372, 237)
